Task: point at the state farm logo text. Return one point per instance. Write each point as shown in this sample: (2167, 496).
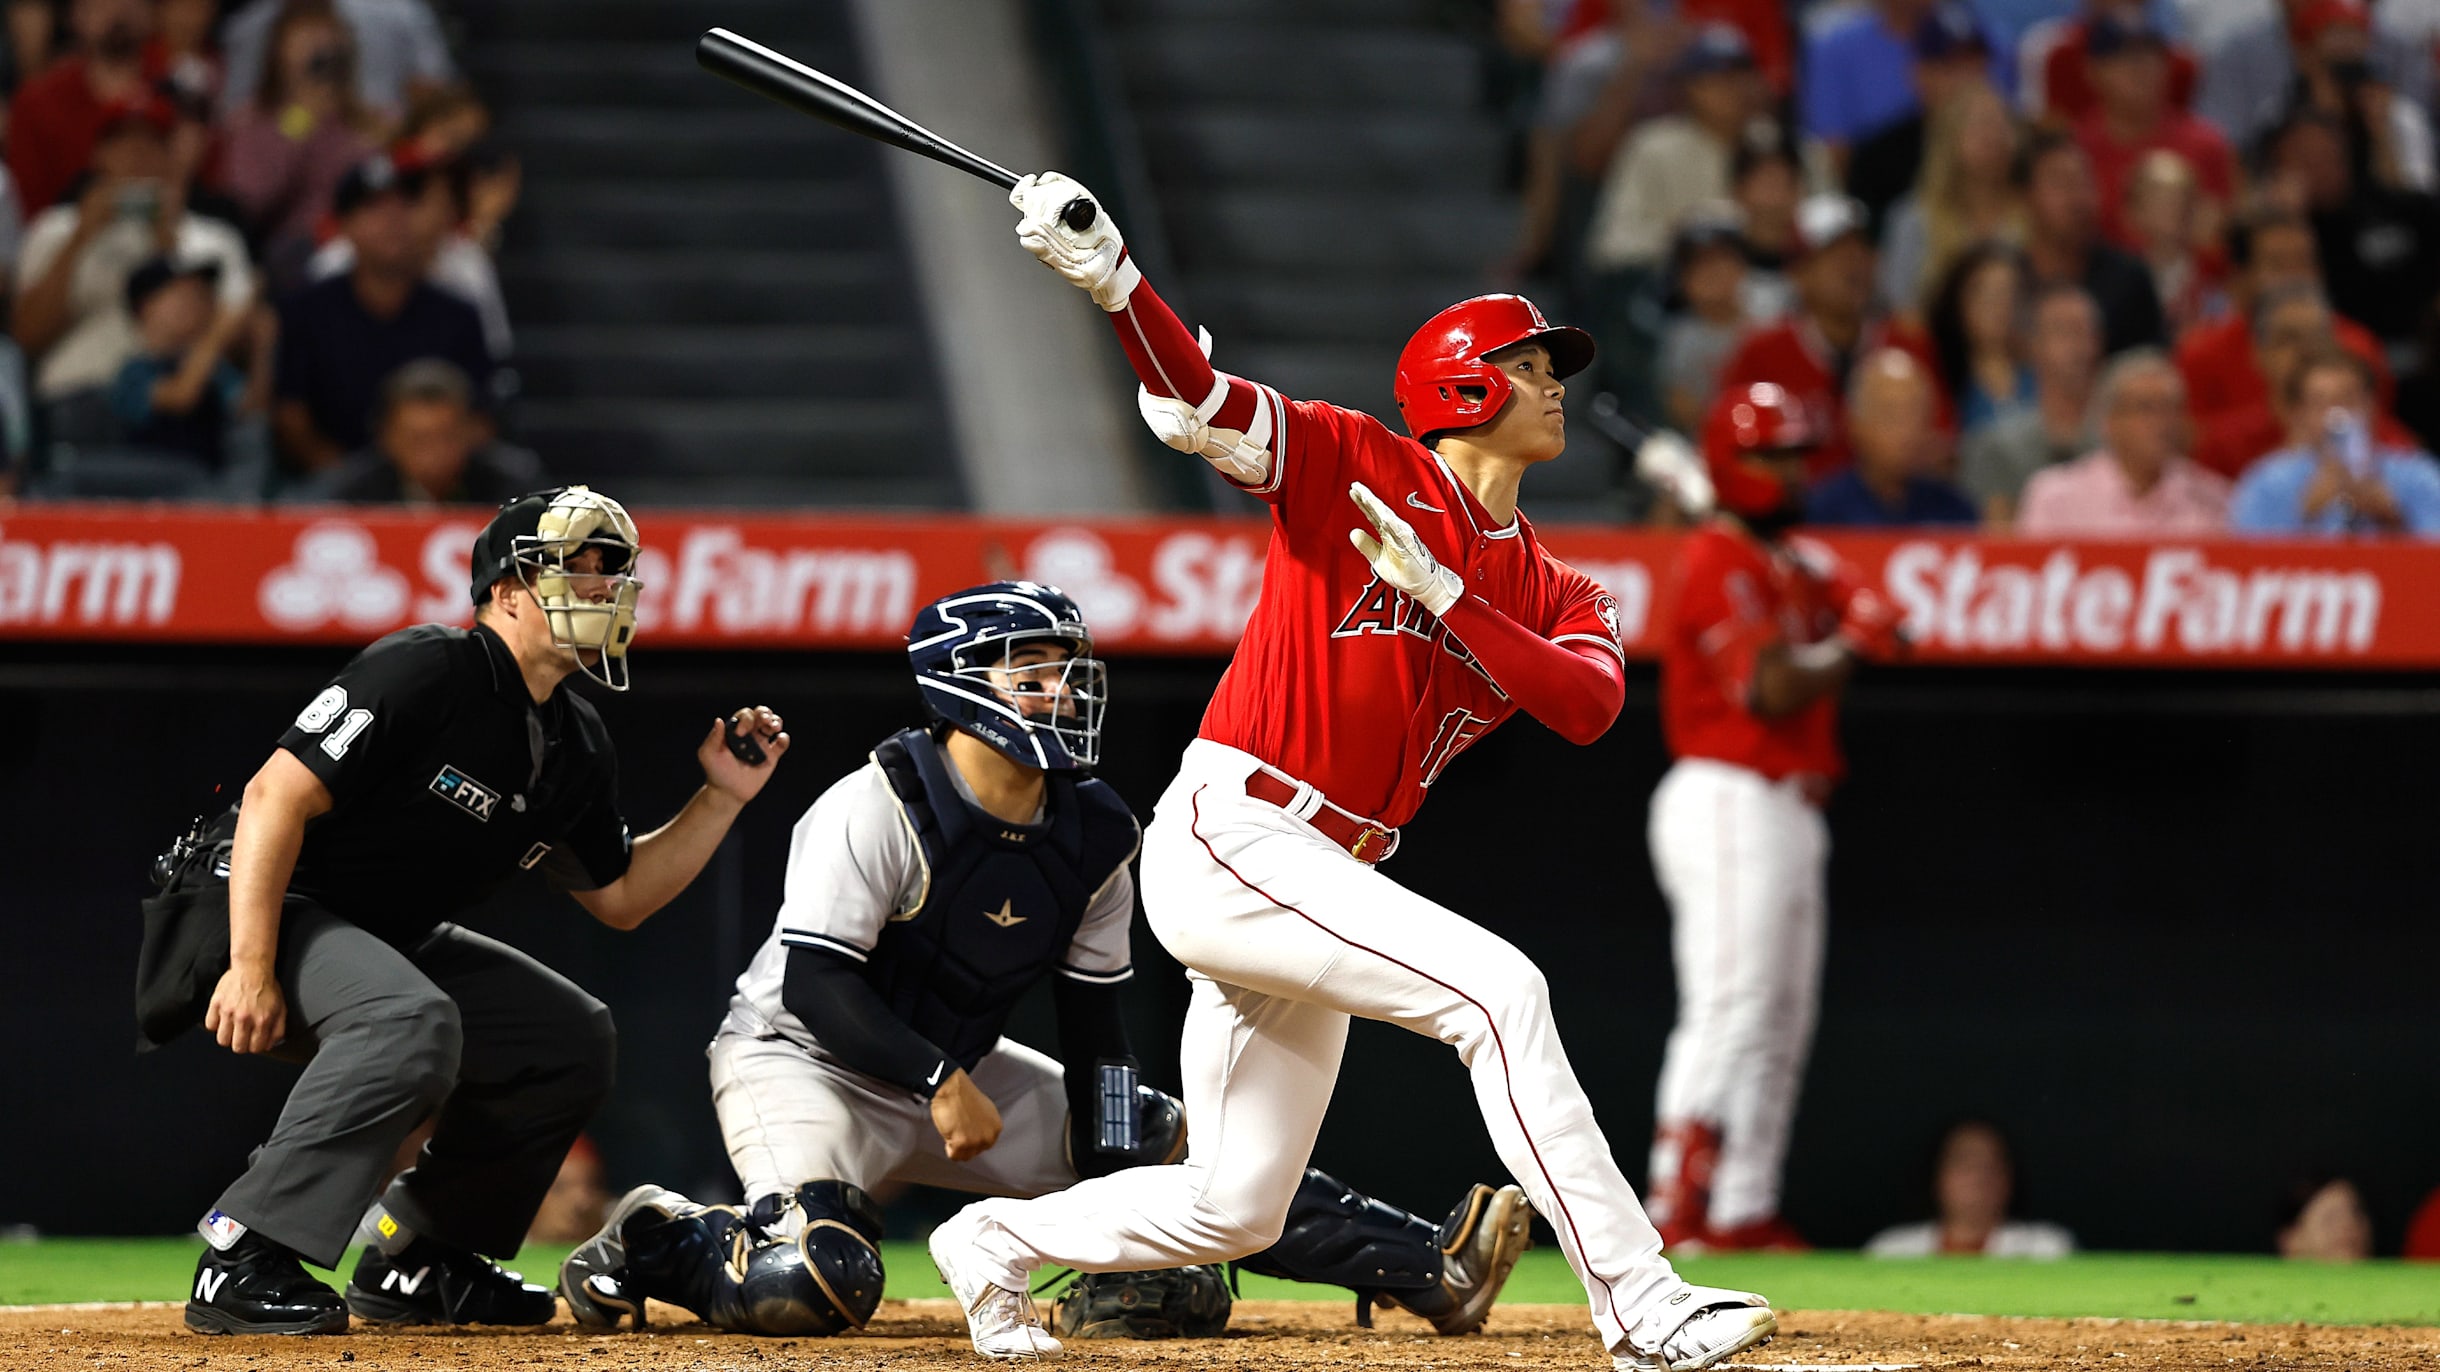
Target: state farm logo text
(66, 581)
(2177, 601)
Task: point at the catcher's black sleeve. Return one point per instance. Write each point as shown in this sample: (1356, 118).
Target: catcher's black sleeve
(1091, 1031)
(826, 991)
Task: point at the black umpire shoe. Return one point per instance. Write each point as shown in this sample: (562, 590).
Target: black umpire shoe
(258, 1287)
(434, 1283)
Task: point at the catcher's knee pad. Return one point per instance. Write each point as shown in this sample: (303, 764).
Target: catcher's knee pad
(1339, 1236)
(1171, 1303)
(824, 1280)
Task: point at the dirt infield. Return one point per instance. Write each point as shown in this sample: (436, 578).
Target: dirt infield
(1265, 1334)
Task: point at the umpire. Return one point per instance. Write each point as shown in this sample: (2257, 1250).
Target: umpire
(310, 922)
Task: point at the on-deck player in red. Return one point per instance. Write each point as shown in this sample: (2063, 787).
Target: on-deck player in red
(1761, 630)
(1363, 672)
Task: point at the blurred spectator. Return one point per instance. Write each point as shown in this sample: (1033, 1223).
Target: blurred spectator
(1602, 75)
(2331, 66)
(190, 65)
(2379, 246)
(399, 51)
(57, 116)
(180, 392)
(442, 124)
(1973, 1183)
(1677, 162)
(1968, 194)
(2063, 243)
(2164, 212)
(2054, 61)
(2140, 482)
(1767, 181)
(1951, 57)
(2064, 349)
(1811, 354)
(2290, 323)
(288, 146)
(16, 418)
(2423, 1231)
(1858, 73)
(2268, 251)
(32, 34)
(2324, 1221)
(1889, 426)
(2335, 477)
(71, 317)
(12, 231)
(1708, 315)
(446, 127)
(430, 447)
(445, 236)
(577, 1203)
(1976, 325)
(340, 339)
(2134, 117)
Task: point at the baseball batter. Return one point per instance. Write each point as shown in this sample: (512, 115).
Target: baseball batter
(1762, 631)
(927, 892)
(1407, 610)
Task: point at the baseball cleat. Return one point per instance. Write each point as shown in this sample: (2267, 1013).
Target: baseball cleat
(1480, 1243)
(592, 1278)
(1002, 1323)
(259, 1287)
(434, 1283)
(1699, 1327)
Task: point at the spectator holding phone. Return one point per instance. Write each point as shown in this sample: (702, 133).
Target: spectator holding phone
(2335, 477)
(58, 116)
(72, 315)
(288, 146)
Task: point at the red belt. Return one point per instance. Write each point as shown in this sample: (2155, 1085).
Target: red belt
(1364, 840)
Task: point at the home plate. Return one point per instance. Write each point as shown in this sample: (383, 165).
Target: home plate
(1826, 1365)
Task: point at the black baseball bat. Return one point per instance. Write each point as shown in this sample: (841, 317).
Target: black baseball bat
(827, 98)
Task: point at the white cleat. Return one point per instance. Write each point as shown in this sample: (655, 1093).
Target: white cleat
(1699, 1327)
(1003, 1324)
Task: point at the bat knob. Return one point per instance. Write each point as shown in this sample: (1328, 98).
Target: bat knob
(1079, 214)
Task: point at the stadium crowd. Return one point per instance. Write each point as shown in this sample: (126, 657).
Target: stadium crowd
(2065, 267)
(250, 253)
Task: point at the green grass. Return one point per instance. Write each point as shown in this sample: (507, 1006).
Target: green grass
(2127, 1285)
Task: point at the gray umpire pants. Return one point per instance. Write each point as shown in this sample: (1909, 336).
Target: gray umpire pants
(507, 1057)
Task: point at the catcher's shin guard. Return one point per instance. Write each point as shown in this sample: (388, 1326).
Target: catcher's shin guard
(1448, 1274)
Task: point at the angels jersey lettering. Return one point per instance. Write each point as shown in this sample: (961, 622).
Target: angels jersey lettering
(1341, 681)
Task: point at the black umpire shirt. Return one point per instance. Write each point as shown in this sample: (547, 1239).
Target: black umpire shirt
(446, 779)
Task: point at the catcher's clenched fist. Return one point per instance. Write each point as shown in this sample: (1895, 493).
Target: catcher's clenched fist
(1094, 257)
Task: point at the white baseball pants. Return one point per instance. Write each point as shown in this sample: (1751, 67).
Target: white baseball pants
(1741, 859)
(1286, 938)
(790, 1116)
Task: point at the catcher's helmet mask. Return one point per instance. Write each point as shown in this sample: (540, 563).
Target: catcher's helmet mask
(1012, 664)
(546, 540)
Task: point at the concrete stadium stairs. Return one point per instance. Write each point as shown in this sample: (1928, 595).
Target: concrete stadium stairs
(710, 293)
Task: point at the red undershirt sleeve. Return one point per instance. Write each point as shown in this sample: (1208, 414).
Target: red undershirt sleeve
(1575, 688)
(1170, 363)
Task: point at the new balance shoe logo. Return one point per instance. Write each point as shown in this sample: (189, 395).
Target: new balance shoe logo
(208, 1284)
(395, 1280)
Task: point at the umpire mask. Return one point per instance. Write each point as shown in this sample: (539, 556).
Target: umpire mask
(574, 550)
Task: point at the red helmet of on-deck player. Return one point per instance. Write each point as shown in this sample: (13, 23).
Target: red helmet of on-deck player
(1443, 362)
(1749, 421)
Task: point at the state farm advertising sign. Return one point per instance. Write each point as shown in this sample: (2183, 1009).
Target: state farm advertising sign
(752, 581)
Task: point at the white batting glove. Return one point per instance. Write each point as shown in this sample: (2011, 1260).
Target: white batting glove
(1398, 556)
(1094, 259)
(1671, 464)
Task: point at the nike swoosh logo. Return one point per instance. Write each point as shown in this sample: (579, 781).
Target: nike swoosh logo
(937, 1069)
(1415, 498)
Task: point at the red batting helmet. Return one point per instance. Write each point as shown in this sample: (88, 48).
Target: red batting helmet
(1758, 419)
(1445, 359)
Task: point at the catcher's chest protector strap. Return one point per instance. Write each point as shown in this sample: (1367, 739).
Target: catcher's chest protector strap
(1002, 902)
(1340, 1237)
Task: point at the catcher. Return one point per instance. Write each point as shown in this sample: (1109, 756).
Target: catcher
(926, 893)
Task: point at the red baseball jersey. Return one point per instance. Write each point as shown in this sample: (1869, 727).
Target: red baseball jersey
(1346, 684)
(1729, 598)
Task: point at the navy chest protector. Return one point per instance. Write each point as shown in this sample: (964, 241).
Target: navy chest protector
(1001, 902)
